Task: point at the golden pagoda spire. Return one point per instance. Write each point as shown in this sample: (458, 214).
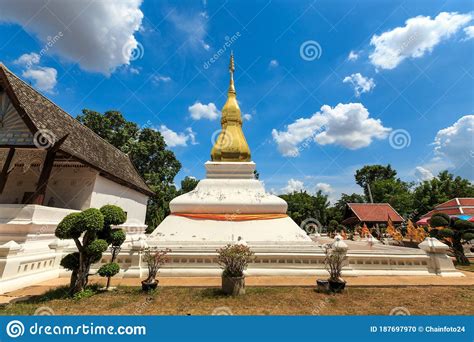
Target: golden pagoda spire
(231, 71)
(231, 145)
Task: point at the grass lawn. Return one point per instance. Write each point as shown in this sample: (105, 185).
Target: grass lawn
(433, 300)
(469, 268)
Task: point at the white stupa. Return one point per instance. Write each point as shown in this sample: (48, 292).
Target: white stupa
(230, 203)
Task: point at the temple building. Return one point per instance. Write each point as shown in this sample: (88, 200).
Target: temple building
(371, 214)
(52, 165)
(462, 208)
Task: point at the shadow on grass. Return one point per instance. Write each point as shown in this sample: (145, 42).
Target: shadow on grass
(62, 292)
(210, 293)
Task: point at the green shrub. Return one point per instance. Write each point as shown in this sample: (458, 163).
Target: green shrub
(96, 247)
(439, 220)
(70, 261)
(69, 227)
(86, 293)
(92, 220)
(446, 233)
(113, 215)
(109, 270)
(463, 225)
(234, 259)
(116, 237)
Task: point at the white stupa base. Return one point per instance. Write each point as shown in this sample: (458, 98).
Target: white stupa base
(230, 188)
(183, 230)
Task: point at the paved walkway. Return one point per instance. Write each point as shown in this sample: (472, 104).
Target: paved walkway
(362, 281)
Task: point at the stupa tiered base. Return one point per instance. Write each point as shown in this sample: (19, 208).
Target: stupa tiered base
(229, 204)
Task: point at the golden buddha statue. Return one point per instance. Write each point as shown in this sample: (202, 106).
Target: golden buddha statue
(231, 145)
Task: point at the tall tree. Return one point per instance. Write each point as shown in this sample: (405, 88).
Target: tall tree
(371, 173)
(395, 192)
(148, 151)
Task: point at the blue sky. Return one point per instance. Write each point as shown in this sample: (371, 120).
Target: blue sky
(326, 86)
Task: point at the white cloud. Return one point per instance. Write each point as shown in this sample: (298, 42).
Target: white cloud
(348, 125)
(325, 188)
(419, 36)
(273, 63)
(200, 111)
(247, 117)
(353, 56)
(28, 59)
(174, 139)
(43, 78)
(292, 186)
(423, 174)
(99, 34)
(469, 31)
(134, 71)
(360, 83)
(456, 144)
(453, 150)
(161, 79)
(191, 26)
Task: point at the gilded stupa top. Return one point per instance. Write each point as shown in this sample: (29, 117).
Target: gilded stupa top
(231, 145)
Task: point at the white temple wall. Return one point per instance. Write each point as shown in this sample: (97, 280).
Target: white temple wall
(18, 183)
(69, 186)
(133, 202)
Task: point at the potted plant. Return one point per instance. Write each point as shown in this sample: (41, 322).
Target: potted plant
(234, 259)
(336, 257)
(154, 260)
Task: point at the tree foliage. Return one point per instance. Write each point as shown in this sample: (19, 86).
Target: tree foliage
(188, 184)
(371, 173)
(304, 206)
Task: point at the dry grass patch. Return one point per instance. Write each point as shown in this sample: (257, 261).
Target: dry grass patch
(258, 301)
(469, 268)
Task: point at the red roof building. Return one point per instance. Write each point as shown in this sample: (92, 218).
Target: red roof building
(454, 207)
(370, 213)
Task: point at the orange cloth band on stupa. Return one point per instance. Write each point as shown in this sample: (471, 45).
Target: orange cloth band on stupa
(232, 217)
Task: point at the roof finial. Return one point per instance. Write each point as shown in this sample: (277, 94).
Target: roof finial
(231, 70)
(231, 64)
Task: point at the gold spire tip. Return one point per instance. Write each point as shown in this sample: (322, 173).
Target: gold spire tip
(231, 64)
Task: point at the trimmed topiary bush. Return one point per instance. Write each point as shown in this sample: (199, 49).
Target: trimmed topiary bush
(439, 220)
(453, 232)
(109, 270)
(113, 216)
(92, 234)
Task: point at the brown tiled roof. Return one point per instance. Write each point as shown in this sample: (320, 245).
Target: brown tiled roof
(372, 212)
(455, 206)
(82, 143)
